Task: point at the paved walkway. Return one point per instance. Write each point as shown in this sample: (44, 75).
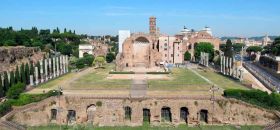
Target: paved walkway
(139, 86)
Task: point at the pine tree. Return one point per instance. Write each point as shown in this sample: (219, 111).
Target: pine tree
(6, 82)
(12, 78)
(27, 73)
(65, 31)
(22, 73)
(17, 76)
(1, 87)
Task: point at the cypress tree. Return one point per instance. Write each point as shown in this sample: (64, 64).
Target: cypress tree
(6, 82)
(22, 73)
(1, 87)
(27, 73)
(17, 76)
(12, 78)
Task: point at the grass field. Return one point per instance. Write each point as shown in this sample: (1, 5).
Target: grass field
(54, 82)
(220, 80)
(97, 79)
(181, 127)
(182, 79)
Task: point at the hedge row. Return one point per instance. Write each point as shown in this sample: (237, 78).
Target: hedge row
(158, 73)
(256, 97)
(130, 72)
(24, 99)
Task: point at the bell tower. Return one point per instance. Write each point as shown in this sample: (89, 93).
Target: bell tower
(153, 25)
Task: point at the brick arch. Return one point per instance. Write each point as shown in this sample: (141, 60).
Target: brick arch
(142, 36)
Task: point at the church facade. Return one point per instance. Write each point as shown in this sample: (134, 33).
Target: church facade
(155, 49)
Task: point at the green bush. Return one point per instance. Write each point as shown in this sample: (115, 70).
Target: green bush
(30, 98)
(15, 91)
(110, 57)
(158, 73)
(130, 72)
(256, 97)
(5, 107)
(80, 63)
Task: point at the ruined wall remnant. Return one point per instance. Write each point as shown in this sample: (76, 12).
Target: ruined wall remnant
(128, 112)
(10, 57)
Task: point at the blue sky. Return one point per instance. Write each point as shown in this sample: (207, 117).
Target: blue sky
(97, 17)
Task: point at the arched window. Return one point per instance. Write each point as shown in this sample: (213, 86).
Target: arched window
(166, 114)
(90, 111)
(184, 112)
(53, 114)
(127, 112)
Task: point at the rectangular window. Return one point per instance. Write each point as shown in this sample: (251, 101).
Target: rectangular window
(165, 55)
(171, 55)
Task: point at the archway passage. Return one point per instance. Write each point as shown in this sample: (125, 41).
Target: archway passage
(146, 115)
(90, 113)
(53, 114)
(203, 115)
(166, 115)
(71, 116)
(127, 112)
(184, 112)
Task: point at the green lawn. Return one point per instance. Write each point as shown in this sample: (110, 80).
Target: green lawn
(181, 127)
(97, 79)
(220, 80)
(181, 79)
(56, 81)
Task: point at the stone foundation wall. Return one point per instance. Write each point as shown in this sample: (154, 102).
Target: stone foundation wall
(110, 112)
(12, 56)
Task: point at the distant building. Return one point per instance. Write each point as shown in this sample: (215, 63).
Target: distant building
(85, 49)
(94, 47)
(266, 40)
(154, 49)
(123, 34)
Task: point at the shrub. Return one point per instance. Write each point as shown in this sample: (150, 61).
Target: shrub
(256, 97)
(80, 63)
(130, 72)
(110, 57)
(15, 90)
(158, 73)
(187, 56)
(5, 107)
(99, 103)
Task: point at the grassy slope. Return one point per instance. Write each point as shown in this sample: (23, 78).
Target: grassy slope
(221, 81)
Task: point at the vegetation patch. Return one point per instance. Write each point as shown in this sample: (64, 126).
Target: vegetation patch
(119, 72)
(256, 97)
(158, 72)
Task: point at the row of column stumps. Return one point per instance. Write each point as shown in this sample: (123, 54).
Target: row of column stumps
(227, 67)
(204, 59)
(54, 67)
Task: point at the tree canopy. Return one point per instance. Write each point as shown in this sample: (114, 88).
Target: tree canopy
(254, 49)
(204, 47)
(187, 56)
(228, 49)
